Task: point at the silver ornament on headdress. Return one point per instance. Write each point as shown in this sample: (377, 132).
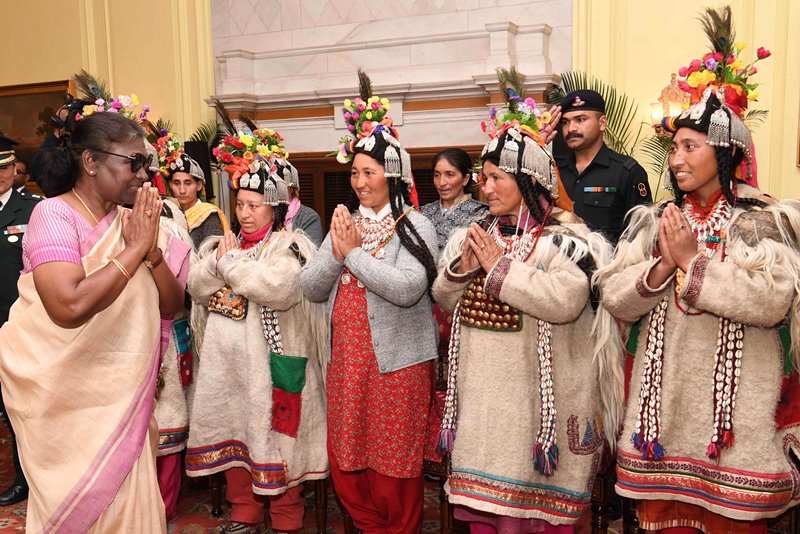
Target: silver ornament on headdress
(275, 190)
(538, 164)
(250, 181)
(195, 170)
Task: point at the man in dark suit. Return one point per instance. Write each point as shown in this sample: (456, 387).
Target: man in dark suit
(15, 211)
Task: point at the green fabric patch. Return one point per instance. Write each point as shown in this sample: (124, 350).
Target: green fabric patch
(786, 345)
(633, 338)
(288, 372)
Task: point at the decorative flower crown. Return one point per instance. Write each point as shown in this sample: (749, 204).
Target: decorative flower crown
(521, 122)
(124, 105)
(245, 154)
(723, 66)
(519, 113)
(363, 118)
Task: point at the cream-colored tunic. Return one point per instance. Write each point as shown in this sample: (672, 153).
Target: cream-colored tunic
(498, 386)
(231, 419)
(755, 286)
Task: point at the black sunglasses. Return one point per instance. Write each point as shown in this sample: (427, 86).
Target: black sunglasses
(137, 161)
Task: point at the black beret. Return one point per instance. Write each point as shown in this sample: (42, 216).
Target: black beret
(583, 100)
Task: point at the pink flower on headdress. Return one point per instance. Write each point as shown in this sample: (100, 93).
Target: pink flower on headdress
(685, 87)
(366, 127)
(361, 106)
(711, 64)
(763, 53)
(753, 70)
(683, 71)
(718, 56)
(348, 115)
(695, 65)
(376, 105)
(351, 127)
(356, 115)
(116, 104)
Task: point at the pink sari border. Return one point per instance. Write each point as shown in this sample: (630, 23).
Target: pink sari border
(87, 500)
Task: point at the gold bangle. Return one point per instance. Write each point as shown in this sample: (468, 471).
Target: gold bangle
(121, 268)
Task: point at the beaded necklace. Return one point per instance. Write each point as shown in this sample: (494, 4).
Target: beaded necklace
(374, 235)
(545, 450)
(730, 341)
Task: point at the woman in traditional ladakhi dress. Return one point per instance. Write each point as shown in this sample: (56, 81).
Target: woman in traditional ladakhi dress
(523, 419)
(258, 411)
(374, 269)
(711, 282)
(187, 181)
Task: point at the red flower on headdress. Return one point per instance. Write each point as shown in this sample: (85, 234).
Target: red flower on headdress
(763, 53)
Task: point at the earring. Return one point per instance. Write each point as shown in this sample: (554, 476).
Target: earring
(92, 173)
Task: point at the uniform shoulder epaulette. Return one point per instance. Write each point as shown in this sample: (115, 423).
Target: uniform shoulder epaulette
(30, 196)
(627, 161)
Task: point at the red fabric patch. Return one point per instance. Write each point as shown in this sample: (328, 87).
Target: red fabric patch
(286, 412)
(788, 412)
(185, 364)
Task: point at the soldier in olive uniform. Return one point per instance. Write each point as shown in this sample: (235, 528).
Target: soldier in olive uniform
(602, 184)
(15, 211)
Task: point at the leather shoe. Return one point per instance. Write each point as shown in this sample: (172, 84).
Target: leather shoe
(13, 495)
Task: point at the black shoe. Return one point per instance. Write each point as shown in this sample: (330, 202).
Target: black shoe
(14, 494)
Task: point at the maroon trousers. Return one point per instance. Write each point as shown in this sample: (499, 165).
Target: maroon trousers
(379, 503)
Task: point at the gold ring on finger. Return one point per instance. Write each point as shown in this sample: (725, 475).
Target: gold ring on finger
(148, 213)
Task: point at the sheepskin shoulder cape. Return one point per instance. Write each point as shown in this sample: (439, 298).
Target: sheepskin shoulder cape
(498, 379)
(253, 406)
(757, 286)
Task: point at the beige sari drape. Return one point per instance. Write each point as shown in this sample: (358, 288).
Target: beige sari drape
(81, 403)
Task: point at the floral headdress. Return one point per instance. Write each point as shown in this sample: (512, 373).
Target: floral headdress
(126, 105)
(514, 132)
(720, 89)
(722, 67)
(253, 159)
(367, 120)
(172, 157)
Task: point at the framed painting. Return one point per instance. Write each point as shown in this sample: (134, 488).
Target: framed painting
(25, 112)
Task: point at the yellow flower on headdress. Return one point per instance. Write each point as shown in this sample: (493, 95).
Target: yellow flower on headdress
(368, 114)
(740, 46)
(753, 95)
(88, 110)
(347, 102)
(387, 107)
(134, 99)
(263, 151)
(246, 139)
(546, 117)
(701, 77)
(737, 64)
(384, 101)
